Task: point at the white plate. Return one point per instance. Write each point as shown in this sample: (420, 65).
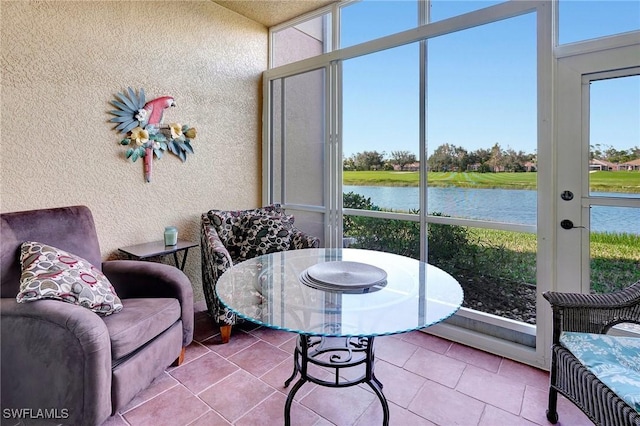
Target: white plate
(344, 275)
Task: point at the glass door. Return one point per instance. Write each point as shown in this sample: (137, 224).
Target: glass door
(598, 169)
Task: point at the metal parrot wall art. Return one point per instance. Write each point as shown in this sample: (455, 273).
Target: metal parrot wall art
(147, 136)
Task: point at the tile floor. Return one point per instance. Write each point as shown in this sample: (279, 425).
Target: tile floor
(427, 381)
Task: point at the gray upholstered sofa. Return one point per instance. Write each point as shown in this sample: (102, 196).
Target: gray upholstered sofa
(63, 357)
(229, 237)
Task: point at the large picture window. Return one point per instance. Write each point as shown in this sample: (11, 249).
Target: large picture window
(431, 136)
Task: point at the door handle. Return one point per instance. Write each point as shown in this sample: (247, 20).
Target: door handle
(568, 224)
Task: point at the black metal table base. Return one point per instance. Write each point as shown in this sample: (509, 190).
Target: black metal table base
(334, 353)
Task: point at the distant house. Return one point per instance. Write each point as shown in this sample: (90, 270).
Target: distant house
(630, 165)
(530, 166)
(412, 167)
(602, 165)
(473, 167)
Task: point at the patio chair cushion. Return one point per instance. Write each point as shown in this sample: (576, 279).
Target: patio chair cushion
(265, 234)
(140, 321)
(614, 360)
(51, 273)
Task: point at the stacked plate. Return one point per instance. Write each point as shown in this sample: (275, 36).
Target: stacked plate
(344, 276)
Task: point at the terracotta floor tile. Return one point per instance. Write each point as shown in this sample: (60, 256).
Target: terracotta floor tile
(210, 418)
(394, 350)
(271, 412)
(115, 420)
(534, 405)
(203, 372)
(259, 358)
(341, 406)
(475, 357)
(275, 337)
(399, 386)
(397, 417)
(427, 341)
(323, 422)
(525, 373)
(348, 374)
(194, 351)
(499, 391)
(278, 375)
(159, 385)
(289, 346)
(494, 416)
(534, 408)
(236, 395)
(176, 406)
(204, 327)
(440, 382)
(436, 367)
(239, 341)
(445, 406)
(246, 326)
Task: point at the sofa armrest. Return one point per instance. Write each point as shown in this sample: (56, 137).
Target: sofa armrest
(140, 279)
(55, 355)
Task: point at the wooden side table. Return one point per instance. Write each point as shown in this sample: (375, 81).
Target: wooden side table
(157, 248)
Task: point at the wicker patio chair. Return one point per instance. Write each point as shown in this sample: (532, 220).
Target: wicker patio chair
(589, 313)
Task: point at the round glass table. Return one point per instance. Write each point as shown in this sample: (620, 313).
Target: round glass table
(338, 301)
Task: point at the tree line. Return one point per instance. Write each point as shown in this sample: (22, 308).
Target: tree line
(612, 155)
(449, 157)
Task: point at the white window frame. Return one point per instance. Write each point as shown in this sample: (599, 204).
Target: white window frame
(544, 229)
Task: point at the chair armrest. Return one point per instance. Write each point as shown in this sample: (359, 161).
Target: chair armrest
(593, 313)
(55, 355)
(140, 279)
(215, 256)
(215, 261)
(302, 240)
(627, 297)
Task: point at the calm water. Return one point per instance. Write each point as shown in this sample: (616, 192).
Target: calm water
(500, 205)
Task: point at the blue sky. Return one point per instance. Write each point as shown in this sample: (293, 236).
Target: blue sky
(481, 81)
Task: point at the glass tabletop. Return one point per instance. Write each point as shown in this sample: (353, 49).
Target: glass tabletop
(272, 290)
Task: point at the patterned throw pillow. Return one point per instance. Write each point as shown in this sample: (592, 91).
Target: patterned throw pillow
(51, 273)
(228, 225)
(265, 234)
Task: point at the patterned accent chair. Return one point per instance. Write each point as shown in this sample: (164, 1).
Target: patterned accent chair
(229, 237)
(598, 372)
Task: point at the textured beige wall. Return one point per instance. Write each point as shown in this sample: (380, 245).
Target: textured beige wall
(62, 62)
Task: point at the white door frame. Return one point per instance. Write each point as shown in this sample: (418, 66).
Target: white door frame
(596, 60)
(570, 152)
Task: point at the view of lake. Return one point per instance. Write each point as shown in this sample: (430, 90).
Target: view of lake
(501, 205)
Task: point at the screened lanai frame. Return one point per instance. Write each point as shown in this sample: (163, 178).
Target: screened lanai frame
(331, 60)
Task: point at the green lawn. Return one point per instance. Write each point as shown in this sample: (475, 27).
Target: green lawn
(599, 181)
(615, 259)
(624, 181)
